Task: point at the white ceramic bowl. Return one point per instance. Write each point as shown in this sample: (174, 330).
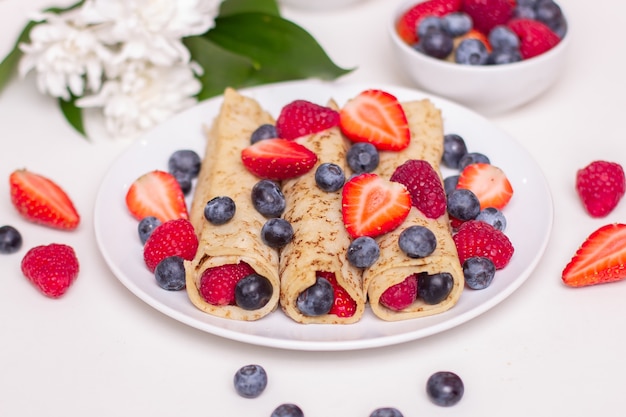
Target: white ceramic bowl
(318, 5)
(491, 90)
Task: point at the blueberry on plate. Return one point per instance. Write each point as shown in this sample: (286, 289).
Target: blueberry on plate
(276, 232)
(363, 252)
(454, 148)
(316, 300)
(265, 131)
(445, 388)
(434, 288)
(478, 272)
(253, 292)
(170, 273)
(473, 158)
(494, 217)
(329, 177)
(185, 160)
(219, 210)
(463, 204)
(417, 241)
(250, 381)
(362, 157)
(268, 199)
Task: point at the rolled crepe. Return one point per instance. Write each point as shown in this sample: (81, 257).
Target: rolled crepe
(320, 241)
(393, 265)
(239, 240)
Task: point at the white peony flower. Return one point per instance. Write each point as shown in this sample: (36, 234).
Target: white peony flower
(143, 95)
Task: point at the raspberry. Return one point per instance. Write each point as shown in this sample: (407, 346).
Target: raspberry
(477, 238)
(52, 268)
(301, 117)
(400, 296)
(424, 185)
(172, 238)
(486, 14)
(217, 284)
(600, 185)
(343, 305)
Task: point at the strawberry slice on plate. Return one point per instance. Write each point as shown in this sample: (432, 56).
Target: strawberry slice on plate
(372, 206)
(377, 117)
(278, 159)
(156, 193)
(489, 183)
(600, 259)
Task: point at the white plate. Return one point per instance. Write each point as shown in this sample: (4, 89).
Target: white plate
(529, 215)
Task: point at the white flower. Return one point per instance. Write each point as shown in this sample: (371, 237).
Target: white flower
(142, 95)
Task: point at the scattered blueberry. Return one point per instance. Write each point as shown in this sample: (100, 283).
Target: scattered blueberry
(219, 210)
(10, 240)
(287, 410)
(316, 300)
(454, 148)
(268, 199)
(386, 412)
(494, 217)
(449, 184)
(146, 226)
(437, 44)
(434, 288)
(363, 252)
(417, 241)
(463, 204)
(170, 273)
(253, 292)
(276, 232)
(362, 157)
(329, 177)
(250, 381)
(429, 24)
(456, 23)
(185, 160)
(471, 52)
(445, 388)
(478, 272)
(473, 158)
(265, 131)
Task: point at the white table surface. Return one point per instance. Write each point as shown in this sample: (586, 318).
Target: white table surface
(547, 350)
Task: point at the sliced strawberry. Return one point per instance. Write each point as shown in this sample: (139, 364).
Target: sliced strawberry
(477, 238)
(172, 238)
(408, 22)
(486, 14)
(489, 183)
(600, 259)
(278, 159)
(372, 206)
(535, 37)
(217, 284)
(301, 117)
(425, 186)
(40, 200)
(158, 194)
(377, 117)
(344, 305)
(400, 296)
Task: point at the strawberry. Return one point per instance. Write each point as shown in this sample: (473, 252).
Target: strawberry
(377, 117)
(158, 194)
(477, 238)
(174, 237)
(344, 305)
(40, 200)
(217, 284)
(486, 14)
(408, 22)
(372, 206)
(301, 117)
(400, 296)
(278, 159)
(535, 37)
(52, 268)
(488, 182)
(600, 259)
(600, 186)
(424, 185)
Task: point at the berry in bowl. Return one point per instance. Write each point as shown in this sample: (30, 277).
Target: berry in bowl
(490, 55)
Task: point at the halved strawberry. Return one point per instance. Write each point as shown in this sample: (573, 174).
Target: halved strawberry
(344, 305)
(535, 37)
(400, 296)
(408, 22)
(158, 194)
(377, 117)
(302, 117)
(600, 259)
(488, 182)
(278, 159)
(40, 200)
(372, 206)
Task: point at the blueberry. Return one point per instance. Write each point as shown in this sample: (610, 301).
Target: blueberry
(417, 241)
(363, 252)
(456, 23)
(450, 183)
(437, 44)
(386, 412)
(445, 388)
(276, 232)
(362, 157)
(184, 179)
(287, 410)
(146, 226)
(170, 273)
(429, 24)
(268, 199)
(265, 131)
(473, 158)
(471, 52)
(329, 177)
(219, 210)
(253, 292)
(185, 160)
(434, 288)
(10, 240)
(494, 217)
(250, 381)
(503, 38)
(524, 12)
(454, 148)
(316, 300)
(548, 12)
(505, 56)
(463, 204)
(478, 272)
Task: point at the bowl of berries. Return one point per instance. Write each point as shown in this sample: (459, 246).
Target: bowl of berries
(489, 55)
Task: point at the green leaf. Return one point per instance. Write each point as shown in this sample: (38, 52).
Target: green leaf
(230, 7)
(73, 114)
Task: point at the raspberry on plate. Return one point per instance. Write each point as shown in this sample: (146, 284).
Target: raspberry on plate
(425, 186)
(52, 268)
(301, 117)
(172, 238)
(217, 284)
(477, 238)
(601, 186)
